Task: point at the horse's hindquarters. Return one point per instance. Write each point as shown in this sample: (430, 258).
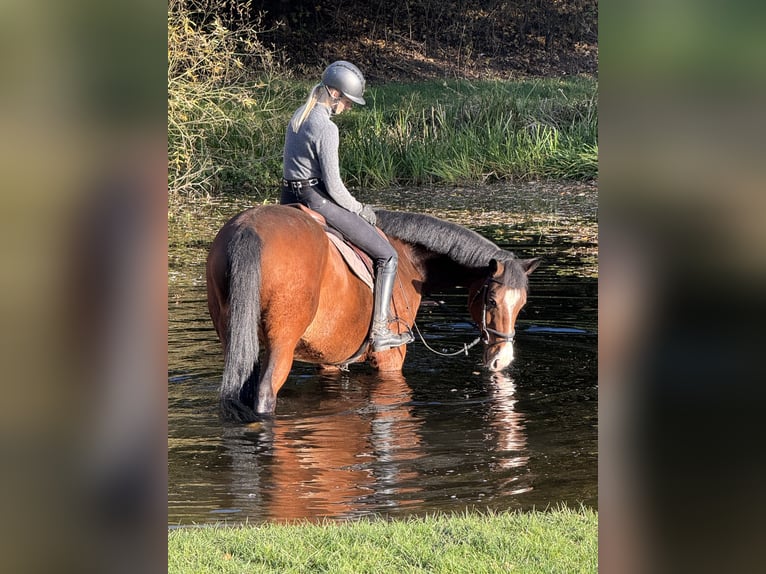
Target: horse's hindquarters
(314, 308)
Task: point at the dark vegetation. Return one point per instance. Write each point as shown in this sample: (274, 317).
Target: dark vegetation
(417, 39)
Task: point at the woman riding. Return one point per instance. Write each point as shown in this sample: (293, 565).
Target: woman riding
(311, 176)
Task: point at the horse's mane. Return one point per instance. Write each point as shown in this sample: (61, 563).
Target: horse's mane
(460, 244)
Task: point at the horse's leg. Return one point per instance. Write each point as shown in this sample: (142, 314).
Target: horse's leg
(285, 323)
(277, 362)
(390, 360)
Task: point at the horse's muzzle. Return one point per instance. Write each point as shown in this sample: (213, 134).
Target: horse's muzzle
(498, 356)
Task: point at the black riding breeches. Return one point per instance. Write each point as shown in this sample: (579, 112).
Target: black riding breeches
(353, 227)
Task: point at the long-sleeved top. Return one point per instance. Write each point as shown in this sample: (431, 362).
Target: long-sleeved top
(313, 152)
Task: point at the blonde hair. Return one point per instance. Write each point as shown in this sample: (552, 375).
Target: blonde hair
(311, 101)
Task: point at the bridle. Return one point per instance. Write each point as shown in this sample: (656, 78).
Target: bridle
(483, 328)
(485, 331)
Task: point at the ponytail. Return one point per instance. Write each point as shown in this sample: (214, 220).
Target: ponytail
(307, 107)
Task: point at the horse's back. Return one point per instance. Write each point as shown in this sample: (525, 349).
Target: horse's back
(271, 221)
(293, 243)
(276, 225)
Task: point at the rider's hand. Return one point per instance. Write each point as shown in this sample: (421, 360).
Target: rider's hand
(368, 214)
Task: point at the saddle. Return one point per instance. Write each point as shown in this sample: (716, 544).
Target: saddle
(357, 260)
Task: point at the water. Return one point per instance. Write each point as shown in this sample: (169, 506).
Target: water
(442, 436)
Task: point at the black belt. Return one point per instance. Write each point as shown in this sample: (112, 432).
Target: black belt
(300, 183)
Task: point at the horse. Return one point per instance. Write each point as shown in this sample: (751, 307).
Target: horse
(277, 287)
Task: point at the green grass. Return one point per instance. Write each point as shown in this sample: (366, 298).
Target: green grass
(547, 542)
(460, 131)
(228, 140)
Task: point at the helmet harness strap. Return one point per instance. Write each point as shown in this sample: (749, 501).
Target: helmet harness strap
(335, 100)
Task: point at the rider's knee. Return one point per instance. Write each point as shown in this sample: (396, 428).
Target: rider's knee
(390, 263)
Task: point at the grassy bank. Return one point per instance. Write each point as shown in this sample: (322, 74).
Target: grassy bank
(229, 102)
(558, 541)
(409, 134)
(450, 132)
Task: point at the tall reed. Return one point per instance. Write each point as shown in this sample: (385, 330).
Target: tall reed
(226, 99)
(447, 133)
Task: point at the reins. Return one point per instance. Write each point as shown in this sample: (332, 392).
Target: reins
(484, 330)
(464, 350)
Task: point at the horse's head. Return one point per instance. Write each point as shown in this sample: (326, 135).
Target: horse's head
(495, 303)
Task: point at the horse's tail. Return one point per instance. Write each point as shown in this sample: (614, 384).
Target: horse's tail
(240, 372)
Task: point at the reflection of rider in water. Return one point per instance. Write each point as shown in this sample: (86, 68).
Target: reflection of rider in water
(311, 176)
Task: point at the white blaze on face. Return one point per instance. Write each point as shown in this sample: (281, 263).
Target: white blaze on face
(499, 356)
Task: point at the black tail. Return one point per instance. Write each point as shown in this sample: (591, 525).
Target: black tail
(240, 372)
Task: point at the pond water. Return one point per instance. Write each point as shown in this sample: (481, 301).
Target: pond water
(442, 436)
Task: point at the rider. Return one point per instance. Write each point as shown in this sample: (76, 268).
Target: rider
(311, 176)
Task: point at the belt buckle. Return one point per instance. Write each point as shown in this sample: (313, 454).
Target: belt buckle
(300, 184)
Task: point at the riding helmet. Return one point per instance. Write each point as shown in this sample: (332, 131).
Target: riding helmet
(347, 78)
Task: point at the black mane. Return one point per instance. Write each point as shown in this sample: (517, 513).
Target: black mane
(454, 241)
(460, 244)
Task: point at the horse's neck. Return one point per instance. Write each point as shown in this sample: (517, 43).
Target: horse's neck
(440, 272)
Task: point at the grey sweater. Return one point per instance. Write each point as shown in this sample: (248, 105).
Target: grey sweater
(313, 152)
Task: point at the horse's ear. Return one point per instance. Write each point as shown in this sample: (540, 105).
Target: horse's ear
(495, 268)
(530, 265)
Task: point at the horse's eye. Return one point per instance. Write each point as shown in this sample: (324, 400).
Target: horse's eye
(491, 303)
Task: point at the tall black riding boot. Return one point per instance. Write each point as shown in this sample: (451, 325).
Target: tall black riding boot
(382, 337)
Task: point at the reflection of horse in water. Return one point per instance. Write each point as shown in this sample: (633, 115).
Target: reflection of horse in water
(364, 445)
(346, 445)
(277, 285)
(508, 423)
(346, 456)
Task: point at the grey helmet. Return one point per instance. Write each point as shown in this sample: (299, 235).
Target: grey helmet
(347, 78)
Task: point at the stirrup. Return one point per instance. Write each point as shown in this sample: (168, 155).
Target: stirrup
(385, 340)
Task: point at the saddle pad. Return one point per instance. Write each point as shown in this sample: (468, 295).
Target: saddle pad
(351, 255)
(353, 260)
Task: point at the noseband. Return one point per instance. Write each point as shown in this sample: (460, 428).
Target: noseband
(486, 331)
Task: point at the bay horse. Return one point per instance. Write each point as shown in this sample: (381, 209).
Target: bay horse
(277, 287)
